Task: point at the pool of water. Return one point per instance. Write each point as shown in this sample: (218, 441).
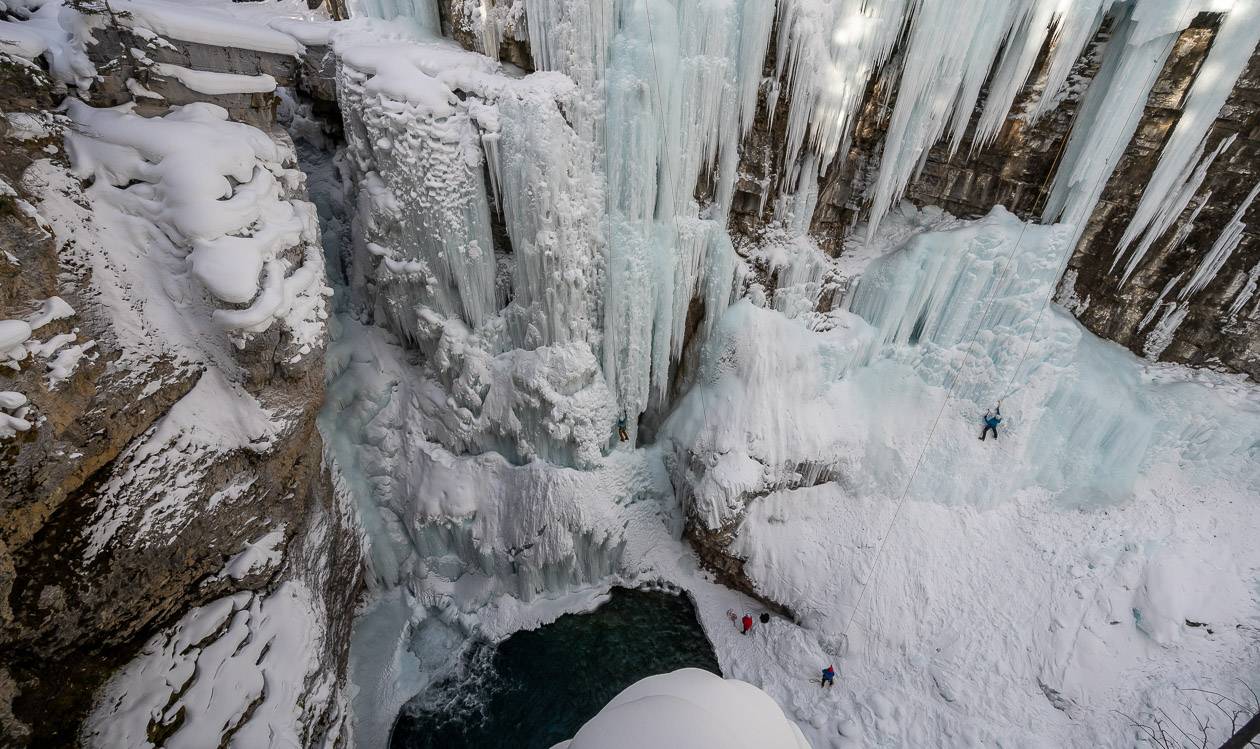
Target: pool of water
(537, 688)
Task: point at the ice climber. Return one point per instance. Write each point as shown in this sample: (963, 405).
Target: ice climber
(992, 418)
(621, 428)
(829, 676)
(747, 624)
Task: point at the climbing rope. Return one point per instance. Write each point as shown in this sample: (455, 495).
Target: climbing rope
(949, 394)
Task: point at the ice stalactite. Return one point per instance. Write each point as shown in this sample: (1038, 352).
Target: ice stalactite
(1238, 35)
(1076, 22)
(829, 53)
(1110, 113)
(949, 53)
(1175, 200)
(1226, 242)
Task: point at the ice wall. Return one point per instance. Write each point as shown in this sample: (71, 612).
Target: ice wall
(932, 334)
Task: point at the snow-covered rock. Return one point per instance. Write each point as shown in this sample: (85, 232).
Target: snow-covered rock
(689, 707)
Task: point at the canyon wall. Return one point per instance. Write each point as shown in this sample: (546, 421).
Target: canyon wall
(163, 475)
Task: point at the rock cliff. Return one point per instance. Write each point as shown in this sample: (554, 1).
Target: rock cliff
(163, 474)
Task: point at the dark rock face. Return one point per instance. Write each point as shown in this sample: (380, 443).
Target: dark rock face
(78, 602)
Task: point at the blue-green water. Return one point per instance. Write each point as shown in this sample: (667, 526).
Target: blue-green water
(537, 688)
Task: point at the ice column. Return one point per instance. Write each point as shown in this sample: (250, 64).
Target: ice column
(681, 86)
(1111, 110)
(551, 208)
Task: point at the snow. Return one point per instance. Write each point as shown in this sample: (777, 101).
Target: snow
(216, 192)
(262, 652)
(11, 401)
(689, 707)
(204, 24)
(12, 334)
(12, 423)
(45, 28)
(206, 82)
(52, 308)
(257, 556)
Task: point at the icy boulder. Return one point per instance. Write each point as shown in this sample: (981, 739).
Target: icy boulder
(693, 708)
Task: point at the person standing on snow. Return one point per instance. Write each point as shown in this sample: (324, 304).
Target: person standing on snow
(829, 676)
(621, 428)
(992, 418)
(747, 622)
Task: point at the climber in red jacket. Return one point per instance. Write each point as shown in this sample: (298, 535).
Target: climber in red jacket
(747, 624)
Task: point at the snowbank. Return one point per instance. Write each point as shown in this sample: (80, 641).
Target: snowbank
(215, 193)
(689, 707)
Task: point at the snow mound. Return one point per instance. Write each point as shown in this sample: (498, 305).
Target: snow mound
(689, 707)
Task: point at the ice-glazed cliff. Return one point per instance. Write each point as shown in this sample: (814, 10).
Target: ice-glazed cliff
(798, 246)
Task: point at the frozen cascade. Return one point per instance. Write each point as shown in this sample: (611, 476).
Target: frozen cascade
(850, 396)
(481, 464)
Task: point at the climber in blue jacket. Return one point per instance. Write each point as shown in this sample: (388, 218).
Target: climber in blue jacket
(991, 420)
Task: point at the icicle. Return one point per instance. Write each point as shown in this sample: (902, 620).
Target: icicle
(1247, 291)
(1076, 23)
(1224, 246)
(1175, 201)
(949, 53)
(830, 53)
(1159, 301)
(1109, 115)
(1231, 49)
(1032, 28)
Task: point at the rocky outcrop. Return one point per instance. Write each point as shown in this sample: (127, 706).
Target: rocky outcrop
(155, 486)
(496, 28)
